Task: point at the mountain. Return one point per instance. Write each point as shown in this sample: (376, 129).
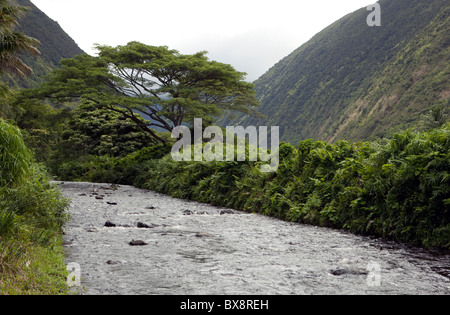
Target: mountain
(55, 45)
(356, 82)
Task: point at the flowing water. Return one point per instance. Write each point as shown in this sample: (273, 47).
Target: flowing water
(189, 248)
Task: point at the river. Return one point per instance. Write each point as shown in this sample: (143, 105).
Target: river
(188, 248)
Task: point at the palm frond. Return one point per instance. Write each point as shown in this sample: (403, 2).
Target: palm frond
(18, 42)
(10, 14)
(13, 43)
(14, 65)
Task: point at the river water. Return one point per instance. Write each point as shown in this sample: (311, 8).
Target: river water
(193, 248)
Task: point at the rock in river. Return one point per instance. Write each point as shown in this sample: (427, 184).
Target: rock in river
(137, 243)
(146, 226)
(110, 224)
(227, 211)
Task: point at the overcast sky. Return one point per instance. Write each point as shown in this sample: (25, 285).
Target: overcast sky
(251, 35)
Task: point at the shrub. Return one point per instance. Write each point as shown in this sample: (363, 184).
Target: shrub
(106, 169)
(32, 210)
(15, 158)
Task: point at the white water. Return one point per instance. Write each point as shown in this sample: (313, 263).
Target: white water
(230, 254)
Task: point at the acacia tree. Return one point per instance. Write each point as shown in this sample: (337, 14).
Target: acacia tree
(163, 86)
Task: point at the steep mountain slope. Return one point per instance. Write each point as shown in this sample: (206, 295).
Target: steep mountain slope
(355, 82)
(55, 45)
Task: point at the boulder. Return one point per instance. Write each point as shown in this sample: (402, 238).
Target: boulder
(226, 212)
(146, 226)
(110, 224)
(137, 243)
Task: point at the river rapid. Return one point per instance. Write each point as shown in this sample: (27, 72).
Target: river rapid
(126, 240)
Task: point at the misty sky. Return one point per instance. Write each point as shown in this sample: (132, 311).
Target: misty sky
(251, 35)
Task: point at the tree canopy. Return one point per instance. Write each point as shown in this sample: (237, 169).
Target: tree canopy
(97, 131)
(165, 87)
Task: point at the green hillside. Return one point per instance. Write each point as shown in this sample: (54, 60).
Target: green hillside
(55, 45)
(356, 82)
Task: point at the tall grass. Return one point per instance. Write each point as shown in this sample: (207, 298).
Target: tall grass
(15, 158)
(32, 212)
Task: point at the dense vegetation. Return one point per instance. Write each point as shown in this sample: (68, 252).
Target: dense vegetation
(82, 124)
(31, 210)
(354, 82)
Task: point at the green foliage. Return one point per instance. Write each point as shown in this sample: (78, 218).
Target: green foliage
(74, 133)
(42, 125)
(97, 131)
(398, 189)
(437, 116)
(32, 270)
(126, 170)
(32, 210)
(15, 157)
(25, 193)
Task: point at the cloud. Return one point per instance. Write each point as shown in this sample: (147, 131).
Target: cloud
(251, 35)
